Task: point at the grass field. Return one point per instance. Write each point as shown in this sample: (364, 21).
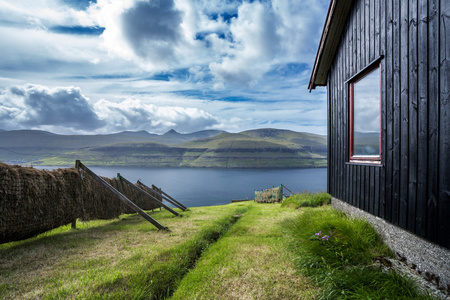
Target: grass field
(238, 251)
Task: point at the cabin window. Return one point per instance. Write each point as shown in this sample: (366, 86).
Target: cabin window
(365, 116)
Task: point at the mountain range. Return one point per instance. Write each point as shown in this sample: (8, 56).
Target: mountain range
(260, 148)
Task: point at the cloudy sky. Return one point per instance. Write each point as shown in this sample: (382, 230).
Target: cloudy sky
(90, 67)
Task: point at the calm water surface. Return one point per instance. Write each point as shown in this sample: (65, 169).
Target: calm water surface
(204, 187)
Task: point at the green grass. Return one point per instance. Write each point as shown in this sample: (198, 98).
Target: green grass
(339, 254)
(306, 199)
(110, 259)
(159, 278)
(251, 261)
(243, 250)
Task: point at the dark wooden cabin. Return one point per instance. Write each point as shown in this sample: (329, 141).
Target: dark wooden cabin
(386, 65)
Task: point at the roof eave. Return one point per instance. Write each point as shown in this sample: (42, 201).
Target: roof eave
(334, 25)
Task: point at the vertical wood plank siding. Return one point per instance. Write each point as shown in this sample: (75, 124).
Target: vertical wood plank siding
(388, 137)
(382, 178)
(411, 186)
(444, 123)
(413, 104)
(404, 113)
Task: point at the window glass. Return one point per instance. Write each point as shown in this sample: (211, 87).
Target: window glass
(366, 116)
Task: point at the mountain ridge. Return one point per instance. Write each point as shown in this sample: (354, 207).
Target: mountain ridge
(259, 148)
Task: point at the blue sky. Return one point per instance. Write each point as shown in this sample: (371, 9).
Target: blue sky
(95, 67)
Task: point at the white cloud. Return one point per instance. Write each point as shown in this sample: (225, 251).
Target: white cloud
(41, 14)
(108, 15)
(268, 34)
(161, 35)
(172, 34)
(183, 34)
(146, 32)
(40, 107)
(33, 106)
(67, 110)
(133, 114)
(254, 46)
(302, 23)
(44, 52)
(205, 51)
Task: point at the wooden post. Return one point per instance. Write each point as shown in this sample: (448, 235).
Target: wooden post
(161, 194)
(151, 197)
(74, 222)
(120, 196)
(168, 197)
(288, 189)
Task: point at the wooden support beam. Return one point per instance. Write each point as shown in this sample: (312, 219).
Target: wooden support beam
(168, 197)
(288, 189)
(124, 199)
(151, 197)
(161, 193)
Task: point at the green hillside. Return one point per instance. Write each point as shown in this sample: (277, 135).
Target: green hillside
(25, 146)
(262, 148)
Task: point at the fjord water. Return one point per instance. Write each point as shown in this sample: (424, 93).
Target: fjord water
(204, 186)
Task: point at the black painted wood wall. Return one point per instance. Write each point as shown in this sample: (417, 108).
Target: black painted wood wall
(411, 187)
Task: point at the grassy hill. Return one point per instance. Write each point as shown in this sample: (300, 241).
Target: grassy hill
(264, 148)
(25, 146)
(261, 148)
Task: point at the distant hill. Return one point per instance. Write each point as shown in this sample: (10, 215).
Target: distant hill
(262, 148)
(24, 146)
(172, 137)
(141, 133)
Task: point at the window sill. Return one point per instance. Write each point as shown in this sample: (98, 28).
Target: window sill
(365, 163)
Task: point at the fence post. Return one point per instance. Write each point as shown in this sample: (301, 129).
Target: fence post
(74, 222)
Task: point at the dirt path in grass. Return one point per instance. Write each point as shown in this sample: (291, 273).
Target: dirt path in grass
(249, 262)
